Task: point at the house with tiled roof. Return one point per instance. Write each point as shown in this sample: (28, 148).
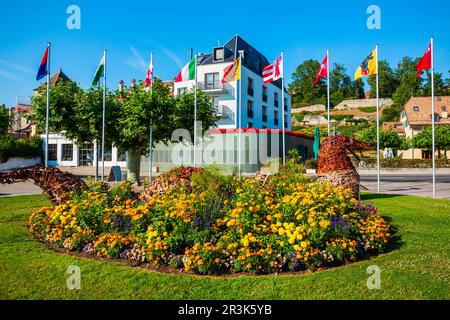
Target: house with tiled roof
(416, 114)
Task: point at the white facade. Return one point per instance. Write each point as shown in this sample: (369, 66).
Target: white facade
(65, 153)
(257, 111)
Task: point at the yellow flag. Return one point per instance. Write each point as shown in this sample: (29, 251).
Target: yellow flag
(232, 72)
(368, 66)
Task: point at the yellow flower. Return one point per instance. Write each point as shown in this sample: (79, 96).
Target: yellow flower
(304, 244)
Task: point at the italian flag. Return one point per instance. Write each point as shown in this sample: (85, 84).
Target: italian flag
(187, 73)
(100, 71)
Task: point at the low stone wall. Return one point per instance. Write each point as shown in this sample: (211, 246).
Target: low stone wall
(16, 163)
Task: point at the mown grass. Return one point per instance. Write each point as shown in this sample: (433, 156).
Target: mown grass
(419, 268)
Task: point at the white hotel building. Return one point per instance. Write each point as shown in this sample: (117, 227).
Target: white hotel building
(261, 103)
(261, 109)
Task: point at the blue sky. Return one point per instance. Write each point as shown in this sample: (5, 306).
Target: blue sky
(131, 30)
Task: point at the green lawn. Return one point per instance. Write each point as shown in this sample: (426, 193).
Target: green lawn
(418, 269)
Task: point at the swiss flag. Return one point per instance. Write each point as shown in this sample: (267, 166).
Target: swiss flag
(425, 62)
(149, 77)
(323, 71)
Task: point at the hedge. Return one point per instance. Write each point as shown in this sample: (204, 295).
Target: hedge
(25, 148)
(402, 163)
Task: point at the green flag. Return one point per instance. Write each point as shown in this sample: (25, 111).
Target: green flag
(100, 71)
(316, 146)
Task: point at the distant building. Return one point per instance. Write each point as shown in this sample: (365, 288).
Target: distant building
(20, 124)
(416, 114)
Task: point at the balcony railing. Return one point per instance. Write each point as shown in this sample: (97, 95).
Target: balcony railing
(215, 86)
(224, 112)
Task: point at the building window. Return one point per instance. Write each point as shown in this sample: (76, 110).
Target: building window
(416, 108)
(52, 152)
(249, 125)
(275, 99)
(285, 121)
(264, 114)
(212, 81)
(285, 104)
(250, 87)
(275, 117)
(218, 54)
(67, 152)
(264, 93)
(249, 109)
(443, 108)
(181, 91)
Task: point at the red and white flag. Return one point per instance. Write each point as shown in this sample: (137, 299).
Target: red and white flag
(273, 71)
(323, 71)
(425, 62)
(149, 77)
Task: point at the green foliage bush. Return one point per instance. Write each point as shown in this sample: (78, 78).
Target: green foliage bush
(403, 163)
(24, 148)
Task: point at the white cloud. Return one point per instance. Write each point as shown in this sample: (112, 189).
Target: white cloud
(9, 75)
(136, 61)
(17, 67)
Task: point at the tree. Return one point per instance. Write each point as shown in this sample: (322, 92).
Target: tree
(65, 97)
(4, 120)
(387, 81)
(136, 109)
(302, 89)
(388, 138)
(423, 139)
(341, 86)
(358, 89)
(440, 89)
(409, 85)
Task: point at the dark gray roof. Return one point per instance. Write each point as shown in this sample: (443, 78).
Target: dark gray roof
(252, 59)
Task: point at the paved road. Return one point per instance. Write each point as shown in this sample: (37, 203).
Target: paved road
(412, 185)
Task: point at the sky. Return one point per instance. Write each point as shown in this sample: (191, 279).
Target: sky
(130, 30)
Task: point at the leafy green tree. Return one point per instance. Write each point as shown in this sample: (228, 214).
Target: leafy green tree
(184, 111)
(341, 86)
(136, 108)
(4, 120)
(423, 139)
(65, 96)
(302, 89)
(440, 88)
(387, 81)
(409, 85)
(388, 138)
(358, 89)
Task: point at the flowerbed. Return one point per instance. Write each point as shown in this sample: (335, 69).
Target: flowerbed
(219, 225)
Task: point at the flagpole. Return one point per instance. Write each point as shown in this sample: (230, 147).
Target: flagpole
(47, 112)
(103, 116)
(378, 125)
(328, 90)
(433, 136)
(150, 155)
(240, 114)
(282, 108)
(195, 112)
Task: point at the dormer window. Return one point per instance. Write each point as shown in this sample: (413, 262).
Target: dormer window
(218, 54)
(416, 108)
(443, 108)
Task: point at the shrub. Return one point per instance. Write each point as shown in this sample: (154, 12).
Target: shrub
(222, 225)
(25, 148)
